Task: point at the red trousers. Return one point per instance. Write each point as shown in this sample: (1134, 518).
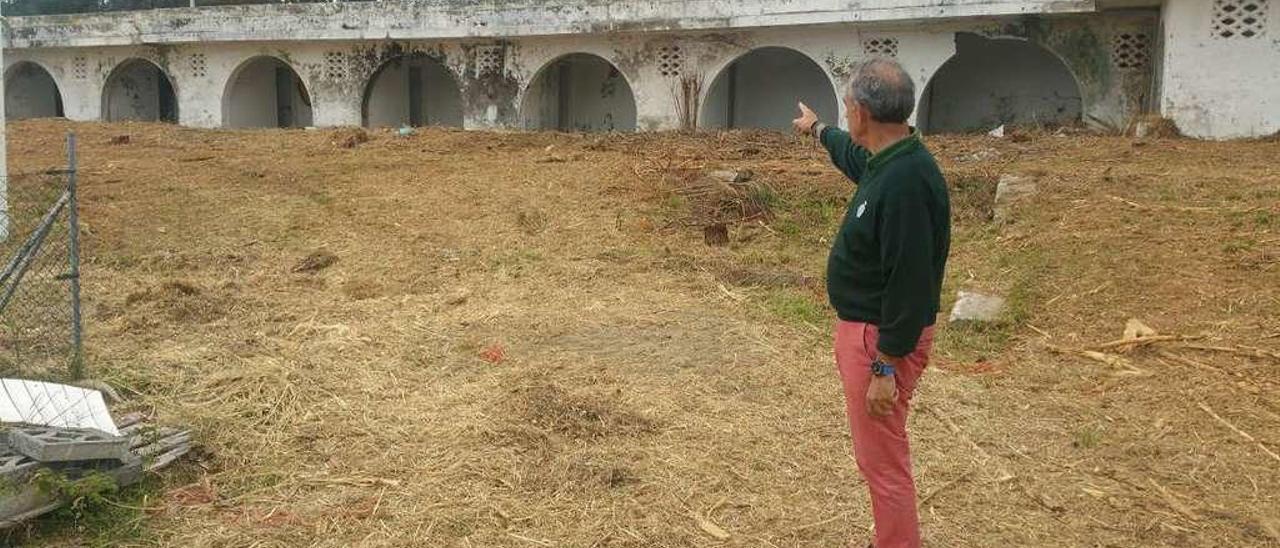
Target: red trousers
(880, 443)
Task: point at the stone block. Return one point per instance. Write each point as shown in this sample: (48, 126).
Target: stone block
(976, 307)
(1010, 189)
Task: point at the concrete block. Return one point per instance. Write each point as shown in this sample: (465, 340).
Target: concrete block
(51, 444)
(976, 307)
(1010, 189)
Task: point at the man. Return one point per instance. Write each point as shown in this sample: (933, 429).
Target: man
(884, 278)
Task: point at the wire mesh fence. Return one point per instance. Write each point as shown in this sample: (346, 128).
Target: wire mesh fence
(40, 330)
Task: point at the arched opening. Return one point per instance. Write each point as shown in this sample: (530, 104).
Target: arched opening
(990, 82)
(266, 92)
(579, 92)
(761, 88)
(139, 90)
(412, 91)
(30, 92)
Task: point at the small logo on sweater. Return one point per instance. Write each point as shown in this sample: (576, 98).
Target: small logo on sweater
(861, 208)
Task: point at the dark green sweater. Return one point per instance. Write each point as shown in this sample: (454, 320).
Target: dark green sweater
(888, 258)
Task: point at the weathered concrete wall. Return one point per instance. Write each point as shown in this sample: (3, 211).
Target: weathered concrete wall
(1216, 86)
(442, 19)
(413, 91)
(138, 90)
(1113, 91)
(991, 82)
(494, 76)
(760, 90)
(30, 92)
(579, 92)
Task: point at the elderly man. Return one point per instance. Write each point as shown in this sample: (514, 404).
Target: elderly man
(884, 277)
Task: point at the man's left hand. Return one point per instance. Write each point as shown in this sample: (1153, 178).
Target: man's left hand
(804, 124)
(881, 395)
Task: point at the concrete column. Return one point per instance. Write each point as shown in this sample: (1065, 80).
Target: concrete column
(334, 107)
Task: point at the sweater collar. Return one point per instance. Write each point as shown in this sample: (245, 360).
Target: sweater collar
(904, 145)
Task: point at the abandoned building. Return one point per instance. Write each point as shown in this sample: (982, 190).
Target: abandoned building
(1208, 65)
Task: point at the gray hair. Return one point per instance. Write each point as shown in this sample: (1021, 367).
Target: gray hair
(885, 89)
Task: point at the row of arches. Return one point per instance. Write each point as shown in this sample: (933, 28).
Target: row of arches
(987, 81)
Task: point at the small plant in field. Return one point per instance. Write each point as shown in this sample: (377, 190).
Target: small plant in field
(1088, 437)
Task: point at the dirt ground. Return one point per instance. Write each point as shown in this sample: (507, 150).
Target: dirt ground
(508, 339)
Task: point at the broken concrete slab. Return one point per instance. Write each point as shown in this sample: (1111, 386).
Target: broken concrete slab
(53, 444)
(976, 307)
(1009, 189)
(150, 448)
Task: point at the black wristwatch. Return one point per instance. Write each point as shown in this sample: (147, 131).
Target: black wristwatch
(881, 368)
(816, 129)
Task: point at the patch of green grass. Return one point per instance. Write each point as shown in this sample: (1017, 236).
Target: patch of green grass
(95, 513)
(796, 308)
(515, 262)
(764, 196)
(973, 341)
(1088, 437)
(319, 196)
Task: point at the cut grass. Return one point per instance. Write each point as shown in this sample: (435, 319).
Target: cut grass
(796, 308)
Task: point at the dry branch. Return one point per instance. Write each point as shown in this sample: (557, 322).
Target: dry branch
(1240, 350)
(1242, 433)
(1144, 341)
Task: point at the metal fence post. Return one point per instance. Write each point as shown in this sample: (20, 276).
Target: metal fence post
(73, 222)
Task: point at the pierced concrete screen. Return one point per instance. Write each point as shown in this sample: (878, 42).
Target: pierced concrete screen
(579, 92)
(198, 64)
(413, 91)
(266, 92)
(761, 89)
(882, 47)
(30, 92)
(670, 61)
(993, 82)
(489, 60)
(139, 90)
(79, 68)
(1239, 18)
(1131, 50)
(335, 65)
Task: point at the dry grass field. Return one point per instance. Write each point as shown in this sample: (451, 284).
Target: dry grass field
(519, 340)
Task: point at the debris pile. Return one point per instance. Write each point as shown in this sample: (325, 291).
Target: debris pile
(67, 431)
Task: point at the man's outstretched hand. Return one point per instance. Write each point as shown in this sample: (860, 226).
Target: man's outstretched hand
(804, 124)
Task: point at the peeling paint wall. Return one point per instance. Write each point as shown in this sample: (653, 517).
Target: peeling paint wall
(1219, 87)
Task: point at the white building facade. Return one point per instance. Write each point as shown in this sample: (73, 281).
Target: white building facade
(1212, 66)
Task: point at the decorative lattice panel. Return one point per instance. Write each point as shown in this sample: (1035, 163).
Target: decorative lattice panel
(884, 47)
(1239, 18)
(670, 61)
(79, 68)
(198, 65)
(489, 60)
(1131, 50)
(335, 65)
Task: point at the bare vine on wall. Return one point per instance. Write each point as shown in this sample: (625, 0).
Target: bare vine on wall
(687, 91)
